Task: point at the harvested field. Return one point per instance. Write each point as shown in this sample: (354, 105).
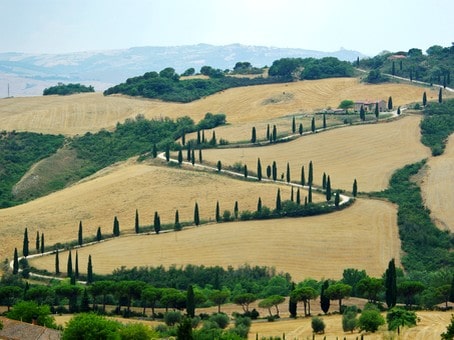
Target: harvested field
(119, 191)
(364, 236)
(369, 153)
(437, 187)
(77, 114)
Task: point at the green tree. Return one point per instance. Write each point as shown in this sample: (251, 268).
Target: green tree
(136, 222)
(137, 331)
(300, 129)
(324, 299)
(268, 132)
(391, 284)
(268, 171)
(390, 103)
(370, 287)
(98, 234)
(408, 290)
(154, 151)
(346, 104)
(192, 156)
(69, 265)
(37, 247)
(25, 243)
(219, 166)
(274, 170)
(324, 181)
(244, 300)
(213, 138)
(377, 112)
(167, 153)
(196, 214)
(440, 96)
(324, 120)
(338, 291)
(85, 302)
(328, 189)
(362, 113)
(245, 171)
(337, 198)
(274, 134)
(298, 196)
(80, 239)
(293, 124)
(116, 227)
(449, 334)
(91, 327)
(318, 325)
(218, 212)
(254, 135)
(28, 311)
(272, 301)
(219, 297)
(76, 266)
(399, 317)
(398, 110)
(184, 330)
(288, 173)
(259, 205)
(42, 243)
(355, 188)
(303, 178)
(424, 99)
(89, 271)
(278, 200)
(177, 224)
(309, 194)
(180, 156)
(370, 319)
(305, 294)
(310, 176)
(157, 222)
(259, 170)
(349, 319)
(313, 124)
(235, 210)
(292, 304)
(190, 302)
(57, 262)
(9, 295)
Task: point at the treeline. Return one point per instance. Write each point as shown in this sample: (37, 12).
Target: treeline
(436, 66)
(18, 152)
(67, 89)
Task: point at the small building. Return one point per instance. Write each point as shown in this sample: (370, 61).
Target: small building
(369, 106)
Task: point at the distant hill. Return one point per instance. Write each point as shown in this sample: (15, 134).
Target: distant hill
(29, 74)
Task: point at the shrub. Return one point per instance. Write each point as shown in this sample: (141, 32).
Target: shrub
(349, 321)
(172, 317)
(221, 319)
(370, 319)
(318, 325)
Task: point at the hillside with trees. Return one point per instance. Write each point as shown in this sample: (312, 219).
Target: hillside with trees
(67, 89)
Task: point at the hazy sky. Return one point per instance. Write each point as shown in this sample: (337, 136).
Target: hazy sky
(368, 26)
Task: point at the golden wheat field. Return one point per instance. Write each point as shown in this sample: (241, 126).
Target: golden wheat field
(437, 187)
(369, 153)
(77, 114)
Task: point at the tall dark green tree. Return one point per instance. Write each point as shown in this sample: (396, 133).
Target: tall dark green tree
(298, 196)
(183, 138)
(98, 234)
(89, 271)
(245, 171)
(288, 173)
(25, 243)
(268, 132)
(219, 166)
(136, 223)
(213, 138)
(268, 171)
(424, 99)
(177, 224)
(167, 153)
(80, 239)
(253, 135)
(15, 262)
(309, 195)
(324, 181)
(292, 304)
(355, 188)
(362, 113)
(199, 140)
(154, 151)
(303, 177)
(377, 112)
(274, 134)
(440, 96)
(324, 120)
(390, 103)
(196, 214)
(291, 193)
(190, 301)
(259, 205)
(310, 176)
(116, 227)
(218, 212)
(259, 170)
(328, 189)
(69, 266)
(313, 124)
(57, 262)
(337, 198)
(157, 223)
(37, 242)
(391, 284)
(180, 156)
(192, 156)
(398, 110)
(293, 125)
(200, 156)
(324, 299)
(274, 170)
(188, 152)
(42, 243)
(278, 200)
(76, 266)
(300, 129)
(235, 210)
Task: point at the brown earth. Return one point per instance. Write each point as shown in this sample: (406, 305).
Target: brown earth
(369, 153)
(77, 114)
(364, 236)
(437, 187)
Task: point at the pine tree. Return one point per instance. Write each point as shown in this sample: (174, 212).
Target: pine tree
(69, 266)
(157, 223)
(424, 99)
(274, 171)
(57, 263)
(89, 271)
(37, 242)
(154, 151)
(80, 239)
(324, 181)
(324, 300)
(337, 198)
(190, 302)
(298, 196)
(362, 113)
(42, 243)
(245, 171)
(25, 243)
(116, 227)
(259, 205)
(303, 177)
(259, 170)
(355, 188)
(293, 125)
(177, 225)
(254, 135)
(218, 212)
(136, 223)
(390, 103)
(377, 112)
(15, 262)
(200, 156)
(324, 120)
(309, 200)
(300, 129)
(328, 189)
(268, 132)
(278, 200)
(180, 157)
(219, 166)
(235, 210)
(167, 153)
(196, 214)
(274, 134)
(288, 173)
(390, 284)
(76, 266)
(440, 96)
(310, 176)
(313, 124)
(98, 234)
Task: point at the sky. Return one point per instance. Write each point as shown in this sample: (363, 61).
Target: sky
(367, 26)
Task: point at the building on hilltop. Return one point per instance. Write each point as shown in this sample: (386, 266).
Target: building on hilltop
(369, 106)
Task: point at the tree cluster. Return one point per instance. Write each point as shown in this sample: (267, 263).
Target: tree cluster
(67, 89)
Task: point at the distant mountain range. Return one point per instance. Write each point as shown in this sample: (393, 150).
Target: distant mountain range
(29, 74)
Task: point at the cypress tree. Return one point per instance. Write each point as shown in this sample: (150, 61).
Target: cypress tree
(377, 112)
(219, 166)
(72, 281)
(298, 196)
(398, 110)
(362, 113)
(188, 152)
(310, 194)
(268, 171)
(198, 137)
(192, 157)
(390, 284)
(390, 103)
(440, 96)
(357, 61)
(305, 201)
(218, 212)
(313, 124)
(288, 173)
(324, 300)
(393, 69)
(254, 135)
(69, 266)
(355, 188)
(245, 171)
(300, 129)
(268, 132)
(180, 157)
(274, 133)
(324, 181)
(85, 302)
(136, 223)
(259, 170)
(235, 210)
(200, 156)
(292, 304)
(190, 302)
(303, 177)
(424, 99)
(154, 151)
(98, 234)
(291, 194)
(328, 189)
(42, 243)
(196, 214)
(157, 223)
(324, 120)
(310, 176)
(37, 242)
(213, 138)
(89, 271)
(337, 198)
(183, 138)
(203, 136)
(15, 262)
(177, 225)
(293, 125)
(80, 239)
(116, 227)
(278, 200)
(57, 263)
(25, 243)
(167, 153)
(76, 266)
(274, 171)
(259, 205)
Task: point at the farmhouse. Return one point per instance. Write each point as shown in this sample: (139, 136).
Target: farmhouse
(369, 106)
(13, 329)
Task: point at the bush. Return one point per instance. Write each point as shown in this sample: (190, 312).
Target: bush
(349, 321)
(221, 319)
(172, 317)
(370, 319)
(318, 325)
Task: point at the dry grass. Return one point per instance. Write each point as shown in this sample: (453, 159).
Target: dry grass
(119, 191)
(438, 187)
(78, 114)
(364, 236)
(368, 153)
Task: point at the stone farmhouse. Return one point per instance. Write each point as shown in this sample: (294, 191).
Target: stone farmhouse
(369, 106)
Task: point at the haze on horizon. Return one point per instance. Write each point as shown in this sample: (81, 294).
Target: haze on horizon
(63, 26)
